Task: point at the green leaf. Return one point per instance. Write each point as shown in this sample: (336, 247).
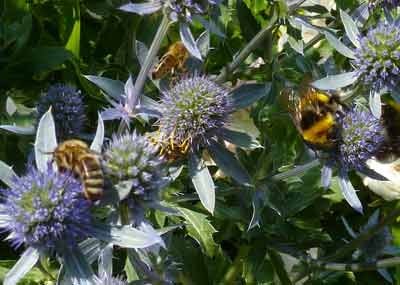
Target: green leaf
(228, 163)
(375, 103)
(247, 94)
(240, 139)
(97, 142)
(24, 264)
(6, 174)
(74, 40)
(339, 46)
(333, 82)
(298, 46)
(202, 182)
(200, 229)
(46, 141)
(351, 28)
(113, 88)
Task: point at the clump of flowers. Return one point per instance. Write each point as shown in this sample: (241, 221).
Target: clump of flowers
(135, 158)
(185, 9)
(378, 57)
(362, 134)
(68, 109)
(194, 109)
(44, 208)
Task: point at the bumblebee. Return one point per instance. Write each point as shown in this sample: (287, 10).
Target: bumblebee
(77, 157)
(314, 114)
(170, 62)
(169, 149)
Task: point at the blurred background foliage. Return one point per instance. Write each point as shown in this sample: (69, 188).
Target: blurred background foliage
(43, 42)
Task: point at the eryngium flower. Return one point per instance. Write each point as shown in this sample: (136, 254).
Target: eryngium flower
(44, 208)
(194, 109)
(109, 280)
(390, 4)
(362, 134)
(378, 57)
(185, 9)
(134, 158)
(67, 108)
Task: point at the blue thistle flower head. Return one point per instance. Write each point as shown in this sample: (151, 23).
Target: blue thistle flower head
(195, 109)
(362, 134)
(44, 208)
(378, 57)
(389, 4)
(135, 158)
(67, 108)
(184, 10)
(106, 279)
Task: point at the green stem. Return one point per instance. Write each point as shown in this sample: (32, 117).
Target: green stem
(245, 52)
(152, 53)
(357, 242)
(358, 267)
(42, 269)
(236, 267)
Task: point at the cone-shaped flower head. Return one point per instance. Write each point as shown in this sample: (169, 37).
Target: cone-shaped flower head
(195, 109)
(67, 108)
(378, 57)
(135, 158)
(185, 9)
(44, 208)
(109, 280)
(362, 135)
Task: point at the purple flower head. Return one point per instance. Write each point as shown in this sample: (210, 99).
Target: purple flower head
(44, 208)
(378, 58)
(362, 134)
(195, 109)
(136, 159)
(389, 4)
(67, 108)
(184, 10)
(106, 279)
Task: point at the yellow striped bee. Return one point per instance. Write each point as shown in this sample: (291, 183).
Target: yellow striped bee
(169, 148)
(76, 156)
(172, 61)
(314, 115)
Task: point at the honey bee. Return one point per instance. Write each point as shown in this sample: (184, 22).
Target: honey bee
(314, 114)
(169, 148)
(172, 61)
(76, 156)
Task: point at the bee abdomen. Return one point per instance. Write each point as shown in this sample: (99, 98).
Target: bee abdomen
(92, 177)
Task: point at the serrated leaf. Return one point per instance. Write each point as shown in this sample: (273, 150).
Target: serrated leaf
(24, 264)
(202, 181)
(375, 104)
(124, 236)
(351, 28)
(46, 141)
(200, 229)
(339, 46)
(18, 130)
(228, 163)
(349, 193)
(6, 174)
(333, 82)
(98, 140)
(113, 88)
(188, 40)
(247, 94)
(142, 8)
(91, 249)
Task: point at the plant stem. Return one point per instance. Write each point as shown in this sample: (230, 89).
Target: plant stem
(355, 243)
(152, 53)
(236, 267)
(357, 267)
(245, 52)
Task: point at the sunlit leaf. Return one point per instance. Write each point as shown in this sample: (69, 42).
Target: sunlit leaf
(46, 141)
(113, 88)
(333, 82)
(142, 8)
(351, 28)
(97, 142)
(188, 40)
(24, 264)
(6, 174)
(339, 46)
(349, 193)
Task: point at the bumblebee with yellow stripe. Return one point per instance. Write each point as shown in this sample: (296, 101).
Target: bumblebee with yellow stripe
(314, 114)
(77, 157)
(169, 148)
